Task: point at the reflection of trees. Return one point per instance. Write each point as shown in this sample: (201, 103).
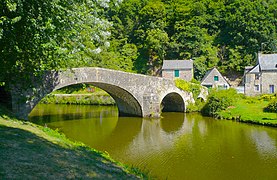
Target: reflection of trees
(153, 138)
(264, 143)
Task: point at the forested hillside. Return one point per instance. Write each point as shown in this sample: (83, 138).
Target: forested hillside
(223, 33)
(134, 35)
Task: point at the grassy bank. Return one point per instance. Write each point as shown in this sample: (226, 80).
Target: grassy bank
(79, 94)
(227, 104)
(250, 110)
(29, 151)
(83, 99)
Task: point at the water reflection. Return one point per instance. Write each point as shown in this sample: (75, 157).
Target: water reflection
(264, 143)
(177, 146)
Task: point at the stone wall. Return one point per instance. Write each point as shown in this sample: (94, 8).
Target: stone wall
(186, 74)
(249, 87)
(266, 78)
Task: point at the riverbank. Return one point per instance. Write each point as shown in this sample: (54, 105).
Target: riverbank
(79, 94)
(30, 151)
(81, 99)
(229, 105)
(250, 111)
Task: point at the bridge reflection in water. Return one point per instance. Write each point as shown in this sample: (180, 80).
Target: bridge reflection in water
(177, 146)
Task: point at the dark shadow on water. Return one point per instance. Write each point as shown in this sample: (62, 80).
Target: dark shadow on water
(172, 122)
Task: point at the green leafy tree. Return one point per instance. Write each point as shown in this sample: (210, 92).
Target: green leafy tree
(37, 35)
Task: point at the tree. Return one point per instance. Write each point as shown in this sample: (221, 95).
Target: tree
(37, 35)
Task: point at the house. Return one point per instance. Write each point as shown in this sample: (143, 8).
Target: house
(178, 69)
(262, 78)
(214, 79)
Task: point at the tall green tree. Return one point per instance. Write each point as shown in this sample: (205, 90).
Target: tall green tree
(37, 35)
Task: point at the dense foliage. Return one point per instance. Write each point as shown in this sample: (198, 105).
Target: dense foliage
(192, 86)
(223, 33)
(38, 35)
(219, 100)
(133, 35)
(272, 106)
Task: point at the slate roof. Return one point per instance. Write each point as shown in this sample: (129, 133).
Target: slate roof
(268, 61)
(208, 73)
(177, 64)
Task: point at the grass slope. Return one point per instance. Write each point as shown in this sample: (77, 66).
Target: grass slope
(250, 110)
(29, 151)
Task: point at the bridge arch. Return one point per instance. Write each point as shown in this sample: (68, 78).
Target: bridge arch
(126, 103)
(173, 102)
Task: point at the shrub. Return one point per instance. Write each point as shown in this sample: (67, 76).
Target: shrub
(272, 106)
(182, 84)
(219, 100)
(195, 81)
(267, 97)
(188, 86)
(195, 107)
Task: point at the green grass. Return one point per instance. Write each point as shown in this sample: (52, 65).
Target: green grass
(80, 99)
(29, 151)
(250, 110)
(81, 89)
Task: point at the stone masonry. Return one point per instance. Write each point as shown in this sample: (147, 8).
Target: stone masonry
(134, 94)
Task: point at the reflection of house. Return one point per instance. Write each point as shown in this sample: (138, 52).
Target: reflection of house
(262, 78)
(214, 79)
(178, 68)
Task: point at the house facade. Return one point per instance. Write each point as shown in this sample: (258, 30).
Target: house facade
(214, 79)
(262, 78)
(178, 69)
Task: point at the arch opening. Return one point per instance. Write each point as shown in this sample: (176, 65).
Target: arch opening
(126, 103)
(173, 102)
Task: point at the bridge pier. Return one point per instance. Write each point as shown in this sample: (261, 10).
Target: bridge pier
(151, 106)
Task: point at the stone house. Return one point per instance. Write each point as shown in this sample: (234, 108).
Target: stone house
(214, 79)
(178, 69)
(262, 78)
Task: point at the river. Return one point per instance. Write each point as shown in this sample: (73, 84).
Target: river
(176, 146)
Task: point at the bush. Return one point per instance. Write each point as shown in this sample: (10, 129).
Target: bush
(268, 97)
(188, 86)
(219, 100)
(195, 107)
(272, 106)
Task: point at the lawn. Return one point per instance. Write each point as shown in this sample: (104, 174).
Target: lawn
(250, 110)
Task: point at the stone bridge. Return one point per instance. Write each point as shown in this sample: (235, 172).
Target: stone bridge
(134, 94)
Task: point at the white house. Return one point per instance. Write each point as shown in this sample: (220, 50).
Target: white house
(214, 79)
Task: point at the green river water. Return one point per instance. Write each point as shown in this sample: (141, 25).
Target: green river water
(176, 146)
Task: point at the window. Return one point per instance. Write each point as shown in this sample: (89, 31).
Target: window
(271, 88)
(257, 87)
(176, 73)
(215, 78)
(257, 76)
